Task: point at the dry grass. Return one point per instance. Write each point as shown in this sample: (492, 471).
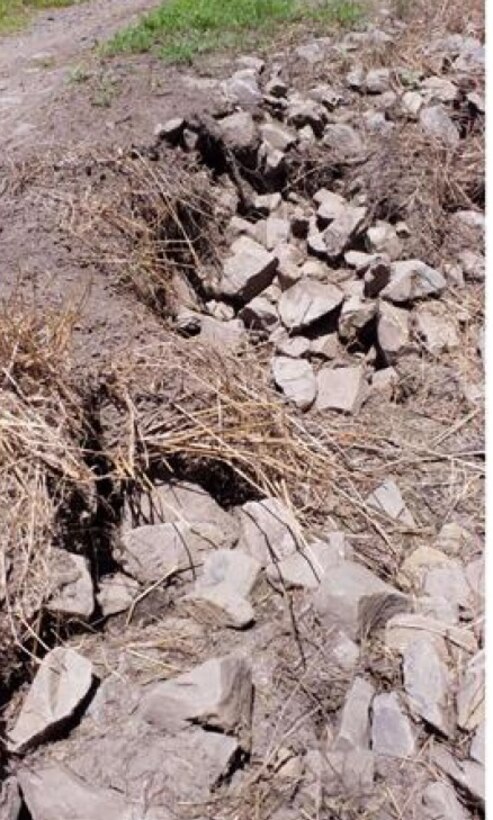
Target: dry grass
(41, 426)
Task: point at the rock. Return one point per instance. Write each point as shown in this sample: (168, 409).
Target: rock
(472, 58)
(260, 314)
(378, 80)
(243, 87)
(393, 332)
(331, 206)
(436, 123)
(475, 574)
(376, 277)
(53, 792)
(343, 389)
(356, 314)
(411, 103)
(392, 733)
(325, 95)
(10, 800)
(62, 684)
(290, 258)
(326, 346)
(278, 137)
(342, 230)
(440, 803)
(387, 498)
(428, 684)
(344, 142)
(296, 347)
(478, 744)
(450, 577)
(344, 651)
(477, 101)
(235, 568)
(435, 328)
(453, 539)
(414, 568)
(267, 203)
(384, 382)
(306, 567)
(351, 772)
(404, 629)
(269, 530)
(355, 78)
(311, 52)
(352, 597)
(315, 244)
(296, 379)
(437, 607)
(411, 280)
(306, 302)
(275, 232)
(473, 266)
(252, 62)
(362, 261)
(354, 729)
(376, 122)
(439, 89)
(382, 238)
(223, 335)
(116, 593)
(171, 131)
(302, 112)
(238, 131)
(153, 553)
(467, 774)
(471, 694)
(219, 606)
(248, 271)
(217, 694)
(72, 593)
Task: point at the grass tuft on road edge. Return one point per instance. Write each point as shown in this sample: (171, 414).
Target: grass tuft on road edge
(181, 29)
(15, 13)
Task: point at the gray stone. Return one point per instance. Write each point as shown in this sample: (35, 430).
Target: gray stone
(252, 62)
(238, 131)
(312, 52)
(387, 499)
(277, 136)
(411, 103)
(467, 774)
(267, 203)
(436, 328)
(326, 347)
(450, 577)
(276, 87)
(477, 101)
(412, 279)
(260, 314)
(342, 230)
(62, 683)
(72, 592)
(219, 606)
(356, 314)
(403, 629)
(243, 87)
(354, 728)
(217, 694)
(248, 271)
(473, 266)
(440, 803)
(325, 95)
(10, 800)
(393, 331)
(306, 302)
(478, 744)
(273, 231)
(296, 346)
(306, 567)
(428, 684)
(352, 597)
(331, 206)
(153, 553)
(53, 792)
(439, 89)
(437, 607)
(382, 238)
(391, 731)
(384, 382)
(343, 141)
(343, 389)
(302, 112)
(351, 772)
(355, 78)
(223, 335)
(290, 258)
(361, 261)
(475, 574)
(376, 122)
(235, 568)
(268, 530)
(436, 123)
(378, 80)
(296, 379)
(471, 694)
(116, 593)
(415, 567)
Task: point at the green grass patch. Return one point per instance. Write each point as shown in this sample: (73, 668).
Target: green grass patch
(181, 29)
(15, 13)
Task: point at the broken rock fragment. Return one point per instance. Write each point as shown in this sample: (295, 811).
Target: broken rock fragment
(355, 599)
(116, 593)
(392, 733)
(71, 584)
(10, 800)
(467, 774)
(238, 131)
(61, 685)
(221, 592)
(428, 684)
(354, 728)
(296, 379)
(306, 567)
(306, 302)
(278, 137)
(471, 694)
(356, 313)
(440, 803)
(217, 694)
(435, 328)
(436, 123)
(342, 230)
(411, 280)
(248, 271)
(268, 530)
(387, 498)
(393, 331)
(343, 389)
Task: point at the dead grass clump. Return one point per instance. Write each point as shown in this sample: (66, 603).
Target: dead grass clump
(151, 225)
(41, 426)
